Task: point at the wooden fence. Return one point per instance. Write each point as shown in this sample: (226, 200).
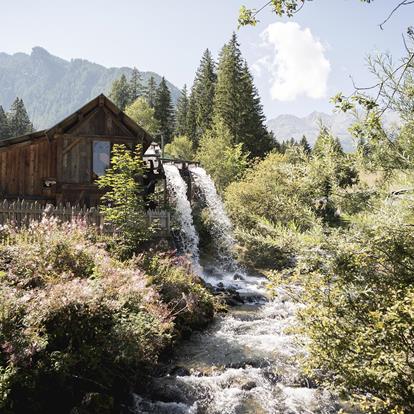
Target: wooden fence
(22, 212)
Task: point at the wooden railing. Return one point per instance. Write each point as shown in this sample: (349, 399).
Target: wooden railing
(21, 212)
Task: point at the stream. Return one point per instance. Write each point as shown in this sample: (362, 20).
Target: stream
(246, 362)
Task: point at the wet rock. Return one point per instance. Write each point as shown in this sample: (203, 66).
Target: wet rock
(238, 276)
(180, 372)
(95, 403)
(249, 385)
(220, 285)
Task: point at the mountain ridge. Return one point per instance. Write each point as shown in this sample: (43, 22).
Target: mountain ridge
(287, 126)
(52, 87)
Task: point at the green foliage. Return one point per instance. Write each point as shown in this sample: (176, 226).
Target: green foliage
(164, 112)
(289, 192)
(4, 125)
(359, 300)
(18, 121)
(120, 92)
(223, 160)
(150, 91)
(202, 98)
(143, 114)
(192, 304)
(135, 85)
(237, 104)
(248, 17)
(180, 148)
(181, 113)
(123, 203)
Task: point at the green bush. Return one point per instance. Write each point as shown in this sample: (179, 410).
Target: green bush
(358, 291)
(184, 292)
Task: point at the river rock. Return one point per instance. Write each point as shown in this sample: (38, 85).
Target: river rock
(249, 385)
(238, 276)
(180, 372)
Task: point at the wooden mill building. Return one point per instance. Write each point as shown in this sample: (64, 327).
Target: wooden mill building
(61, 164)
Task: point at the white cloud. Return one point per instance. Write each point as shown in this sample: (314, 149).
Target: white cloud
(296, 62)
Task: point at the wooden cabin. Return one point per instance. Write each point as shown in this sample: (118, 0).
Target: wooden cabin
(61, 164)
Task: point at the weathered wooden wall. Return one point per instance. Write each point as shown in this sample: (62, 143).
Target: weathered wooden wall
(25, 166)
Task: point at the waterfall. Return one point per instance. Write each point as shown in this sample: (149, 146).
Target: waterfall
(222, 229)
(177, 189)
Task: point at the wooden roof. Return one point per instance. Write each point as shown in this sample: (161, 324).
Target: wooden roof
(77, 117)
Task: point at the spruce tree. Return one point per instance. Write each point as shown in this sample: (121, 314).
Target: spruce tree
(181, 114)
(203, 94)
(135, 86)
(237, 102)
(191, 120)
(253, 134)
(305, 145)
(18, 119)
(164, 111)
(120, 92)
(228, 88)
(150, 91)
(4, 125)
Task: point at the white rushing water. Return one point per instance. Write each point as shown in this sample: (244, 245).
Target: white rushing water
(177, 189)
(221, 227)
(245, 363)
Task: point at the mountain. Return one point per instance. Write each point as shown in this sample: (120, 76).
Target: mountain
(53, 88)
(291, 126)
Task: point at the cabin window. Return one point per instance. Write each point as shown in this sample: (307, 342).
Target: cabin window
(101, 157)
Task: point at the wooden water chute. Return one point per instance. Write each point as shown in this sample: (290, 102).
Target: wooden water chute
(61, 164)
(154, 162)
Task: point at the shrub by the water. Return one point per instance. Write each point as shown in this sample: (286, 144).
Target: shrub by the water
(76, 322)
(358, 292)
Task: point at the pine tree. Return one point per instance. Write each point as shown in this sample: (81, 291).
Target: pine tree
(120, 92)
(135, 85)
(181, 114)
(150, 91)
(4, 125)
(164, 111)
(203, 94)
(18, 119)
(305, 145)
(237, 102)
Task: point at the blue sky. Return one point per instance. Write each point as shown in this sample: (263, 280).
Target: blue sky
(297, 63)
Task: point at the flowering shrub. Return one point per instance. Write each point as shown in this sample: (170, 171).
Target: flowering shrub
(74, 320)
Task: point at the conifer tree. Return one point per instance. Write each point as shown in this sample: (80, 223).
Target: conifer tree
(164, 111)
(326, 142)
(4, 125)
(191, 120)
(120, 92)
(181, 114)
(253, 133)
(150, 91)
(18, 119)
(135, 85)
(203, 94)
(228, 88)
(237, 102)
(305, 145)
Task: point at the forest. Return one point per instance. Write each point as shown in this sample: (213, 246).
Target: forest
(88, 320)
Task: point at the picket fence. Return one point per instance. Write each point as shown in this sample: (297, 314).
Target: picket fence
(22, 212)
